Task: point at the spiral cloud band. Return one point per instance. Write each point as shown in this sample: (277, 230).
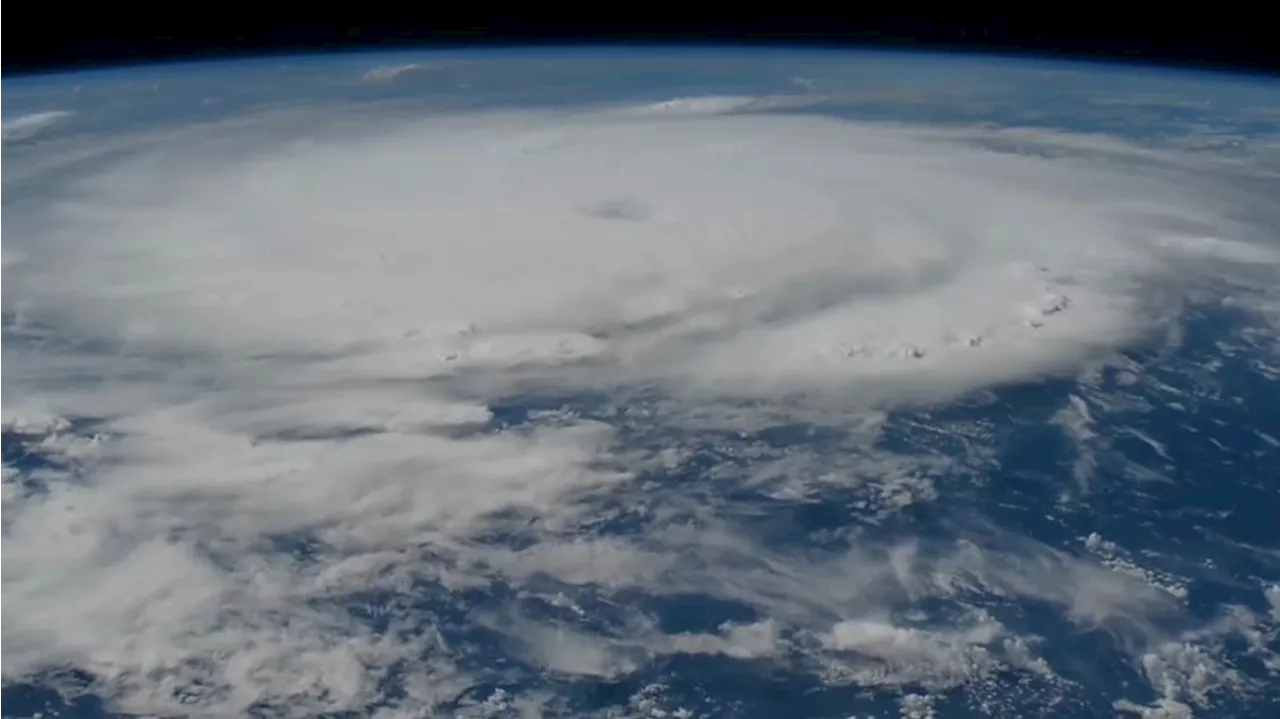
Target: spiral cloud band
(728, 251)
(300, 336)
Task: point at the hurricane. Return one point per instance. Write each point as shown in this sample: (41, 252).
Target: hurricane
(669, 403)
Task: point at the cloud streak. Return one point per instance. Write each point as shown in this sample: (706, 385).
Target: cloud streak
(30, 125)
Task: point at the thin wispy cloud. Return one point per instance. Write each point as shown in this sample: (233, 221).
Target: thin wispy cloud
(28, 126)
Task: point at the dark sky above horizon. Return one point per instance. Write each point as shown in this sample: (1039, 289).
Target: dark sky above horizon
(118, 35)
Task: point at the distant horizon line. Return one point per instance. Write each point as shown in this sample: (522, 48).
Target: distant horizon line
(184, 59)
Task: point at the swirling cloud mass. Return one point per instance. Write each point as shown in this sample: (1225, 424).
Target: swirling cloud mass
(297, 367)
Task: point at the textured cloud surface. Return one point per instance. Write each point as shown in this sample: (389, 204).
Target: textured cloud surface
(733, 252)
(290, 358)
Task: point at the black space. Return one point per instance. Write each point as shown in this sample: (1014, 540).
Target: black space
(63, 37)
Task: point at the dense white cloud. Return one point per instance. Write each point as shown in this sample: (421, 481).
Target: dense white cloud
(827, 252)
(288, 340)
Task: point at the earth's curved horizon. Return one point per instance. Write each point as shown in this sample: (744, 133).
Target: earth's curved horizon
(641, 383)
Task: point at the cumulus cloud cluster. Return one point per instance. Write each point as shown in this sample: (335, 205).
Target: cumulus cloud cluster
(294, 352)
